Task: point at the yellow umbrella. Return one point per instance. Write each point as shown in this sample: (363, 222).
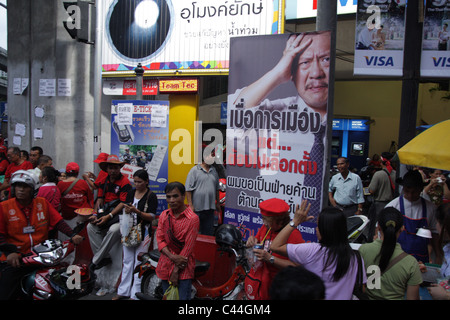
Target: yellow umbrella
(429, 149)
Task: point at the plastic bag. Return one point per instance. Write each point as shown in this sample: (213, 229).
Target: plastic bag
(126, 223)
(171, 293)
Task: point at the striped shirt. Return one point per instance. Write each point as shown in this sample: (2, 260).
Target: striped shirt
(185, 229)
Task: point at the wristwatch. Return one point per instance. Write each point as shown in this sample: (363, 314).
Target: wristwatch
(292, 224)
(272, 259)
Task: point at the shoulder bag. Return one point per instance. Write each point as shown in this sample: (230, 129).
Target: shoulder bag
(134, 237)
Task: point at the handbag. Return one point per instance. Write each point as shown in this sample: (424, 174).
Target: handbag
(134, 237)
(358, 291)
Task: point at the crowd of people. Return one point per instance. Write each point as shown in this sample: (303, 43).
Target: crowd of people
(39, 201)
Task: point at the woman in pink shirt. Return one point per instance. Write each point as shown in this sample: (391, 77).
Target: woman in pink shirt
(332, 259)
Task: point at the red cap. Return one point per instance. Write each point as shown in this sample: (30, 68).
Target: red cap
(72, 167)
(273, 207)
(101, 157)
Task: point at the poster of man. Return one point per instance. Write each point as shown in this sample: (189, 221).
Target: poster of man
(276, 124)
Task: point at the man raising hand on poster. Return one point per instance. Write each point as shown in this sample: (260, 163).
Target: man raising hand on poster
(305, 61)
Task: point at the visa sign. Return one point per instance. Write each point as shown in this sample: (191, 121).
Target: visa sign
(443, 62)
(379, 61)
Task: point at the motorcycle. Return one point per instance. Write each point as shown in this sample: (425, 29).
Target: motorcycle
(52, 278)
(222, 197)
(357, 230)
(228, 239)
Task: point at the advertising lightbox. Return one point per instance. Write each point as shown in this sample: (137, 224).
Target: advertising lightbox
(180, 37)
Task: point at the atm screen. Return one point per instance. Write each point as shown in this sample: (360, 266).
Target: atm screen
(358, 147)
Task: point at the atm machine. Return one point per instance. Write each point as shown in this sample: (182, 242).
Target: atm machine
(350, 139)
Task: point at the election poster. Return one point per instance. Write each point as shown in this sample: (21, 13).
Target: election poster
(140, 138)
(276, 124)
(435, 60)
(380, 37)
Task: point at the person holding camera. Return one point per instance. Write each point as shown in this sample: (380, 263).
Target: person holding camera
(437, 189)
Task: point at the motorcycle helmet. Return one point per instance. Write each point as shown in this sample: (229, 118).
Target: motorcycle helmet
(24, 177)
(228, 235)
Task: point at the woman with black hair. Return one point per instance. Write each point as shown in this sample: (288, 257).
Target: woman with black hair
(332, 259)
(48, 189)
(399, 271)
(141, 204)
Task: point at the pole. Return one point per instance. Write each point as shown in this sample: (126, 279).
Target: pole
(139, 71)
(98, 81)
(327, 20)
(411, 73)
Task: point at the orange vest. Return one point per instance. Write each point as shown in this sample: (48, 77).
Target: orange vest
(16, 221)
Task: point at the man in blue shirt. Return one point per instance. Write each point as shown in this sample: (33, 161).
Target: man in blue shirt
(345, 190)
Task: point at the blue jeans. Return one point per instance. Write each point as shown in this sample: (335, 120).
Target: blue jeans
(184, 288)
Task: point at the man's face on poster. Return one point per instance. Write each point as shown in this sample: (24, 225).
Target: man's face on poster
(312, 73)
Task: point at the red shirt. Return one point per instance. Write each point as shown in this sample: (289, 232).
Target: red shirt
(50, 192)
(115, 190)
(80, 196)
(26, 165)
(102, 175)
(268, 271)
(185, 229)
(14, 218)
(3, 166)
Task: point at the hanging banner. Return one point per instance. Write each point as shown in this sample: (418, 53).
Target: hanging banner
(276, 125)
(127, 87)
(140, 137)
(380, 37)
(435, 61)
(166, 36)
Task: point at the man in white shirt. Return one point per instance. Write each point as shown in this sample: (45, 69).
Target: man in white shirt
(345, 190)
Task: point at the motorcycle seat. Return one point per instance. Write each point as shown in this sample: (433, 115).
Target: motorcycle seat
(200, 266)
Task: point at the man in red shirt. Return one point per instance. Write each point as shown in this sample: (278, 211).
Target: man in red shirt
(92, 180)
(16, 163)
(78, 196)
(176, 235)
(25, 222)
(104, 229)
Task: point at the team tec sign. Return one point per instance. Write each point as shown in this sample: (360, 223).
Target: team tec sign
(178, 85)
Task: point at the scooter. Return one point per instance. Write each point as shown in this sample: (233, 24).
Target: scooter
(357, 230)
(229, 240)
(51, 278)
